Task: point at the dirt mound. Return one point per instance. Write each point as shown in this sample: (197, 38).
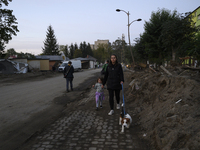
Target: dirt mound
(168, 108)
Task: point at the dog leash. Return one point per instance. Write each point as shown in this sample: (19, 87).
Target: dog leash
(123, 98)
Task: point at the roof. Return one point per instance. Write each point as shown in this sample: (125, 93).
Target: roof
(81, 58)
(50, 57)
(85, 59)
(91, 58)
(192, 12)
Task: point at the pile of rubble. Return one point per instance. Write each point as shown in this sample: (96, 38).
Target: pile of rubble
(167, 106)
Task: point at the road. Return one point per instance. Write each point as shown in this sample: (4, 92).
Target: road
(29, 106)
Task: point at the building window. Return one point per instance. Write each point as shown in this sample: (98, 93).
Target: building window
(199, 17)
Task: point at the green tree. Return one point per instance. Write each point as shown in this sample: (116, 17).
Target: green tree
(75, 46)
(117, 47)
(8, 25)
(103, 52)
(77, 53)
(89, 50)
(71, 51)
(164, 36)
(81, 46)
(175, 32)
(65, 50)
(153, 29)
(10, 52)
(139, 52)
(84, 49)
(50, 44)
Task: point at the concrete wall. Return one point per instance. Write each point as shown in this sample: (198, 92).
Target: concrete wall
(34, 64)
(20, 60)
(92, 64)
(44, 65)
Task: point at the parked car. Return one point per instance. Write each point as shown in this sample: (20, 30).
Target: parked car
(75, 63)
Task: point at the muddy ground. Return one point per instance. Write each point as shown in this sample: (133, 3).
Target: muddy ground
(23, 77)
(167, 107)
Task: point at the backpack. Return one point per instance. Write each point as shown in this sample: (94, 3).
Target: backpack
(103, 71)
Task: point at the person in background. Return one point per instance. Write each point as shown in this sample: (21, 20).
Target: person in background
(114, 77)
(103, 71)
(68, 74)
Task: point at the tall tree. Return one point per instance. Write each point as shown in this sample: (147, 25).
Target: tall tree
(153, 29)
(11, 52)
(175, 32)
(8, 25)
(77, 53)
(140, 54)
(75, 46)
(103, 52)
(89, 50)
(71, 51)
(65, 50)
(164, 35)
(117, 48)
(84, 49)
(50, 44)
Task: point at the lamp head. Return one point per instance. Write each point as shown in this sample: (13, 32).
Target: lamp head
(139, 19)
(118, 10)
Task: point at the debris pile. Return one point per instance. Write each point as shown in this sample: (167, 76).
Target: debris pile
(168, 107)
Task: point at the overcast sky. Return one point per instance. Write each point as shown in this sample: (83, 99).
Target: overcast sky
(75, 21)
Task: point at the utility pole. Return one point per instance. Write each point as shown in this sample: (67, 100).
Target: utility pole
(123, 55)
(118, 10)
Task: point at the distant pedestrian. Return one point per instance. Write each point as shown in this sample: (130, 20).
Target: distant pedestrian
(99, 93)
(103, 71)
(68, 74)
(114, 77)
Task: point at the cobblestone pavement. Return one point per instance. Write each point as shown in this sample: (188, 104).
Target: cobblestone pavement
(82, 127)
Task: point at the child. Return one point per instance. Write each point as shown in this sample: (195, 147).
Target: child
(99, 93)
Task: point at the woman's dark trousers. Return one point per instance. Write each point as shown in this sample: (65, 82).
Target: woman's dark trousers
(111, 97)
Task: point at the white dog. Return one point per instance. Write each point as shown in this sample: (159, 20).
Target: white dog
(124, 120)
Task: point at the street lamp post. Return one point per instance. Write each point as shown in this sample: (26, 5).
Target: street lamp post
(118, 10)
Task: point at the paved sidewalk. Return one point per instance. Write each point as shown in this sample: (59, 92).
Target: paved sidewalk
(84, 128)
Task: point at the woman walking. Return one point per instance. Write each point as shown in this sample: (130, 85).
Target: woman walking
(114, 77)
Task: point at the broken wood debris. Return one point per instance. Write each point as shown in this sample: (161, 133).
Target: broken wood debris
(164, 69)
(152, 69)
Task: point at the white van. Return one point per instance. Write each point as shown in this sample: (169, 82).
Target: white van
(75, 63)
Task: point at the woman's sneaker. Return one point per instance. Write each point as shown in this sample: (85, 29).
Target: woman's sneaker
(111, 112)
(118, 106)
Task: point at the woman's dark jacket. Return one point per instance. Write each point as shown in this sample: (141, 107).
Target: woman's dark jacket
(70, 73)
(113, 76)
